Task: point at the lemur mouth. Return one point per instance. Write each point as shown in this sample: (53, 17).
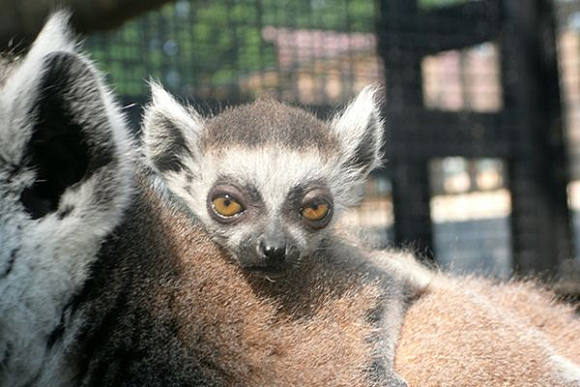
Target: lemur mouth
(269, 273)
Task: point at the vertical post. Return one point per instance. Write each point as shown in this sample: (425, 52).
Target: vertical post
(538, 166)
(404, 98)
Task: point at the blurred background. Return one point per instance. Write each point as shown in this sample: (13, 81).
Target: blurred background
(482, 103)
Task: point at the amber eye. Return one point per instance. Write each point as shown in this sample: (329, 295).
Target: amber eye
(226, 206)
(315, 210)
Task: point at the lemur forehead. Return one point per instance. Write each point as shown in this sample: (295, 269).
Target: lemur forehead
(268, 122)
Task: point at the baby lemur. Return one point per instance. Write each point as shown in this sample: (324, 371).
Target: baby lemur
(269, 181)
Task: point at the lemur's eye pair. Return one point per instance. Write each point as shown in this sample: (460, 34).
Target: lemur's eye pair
(226, 205)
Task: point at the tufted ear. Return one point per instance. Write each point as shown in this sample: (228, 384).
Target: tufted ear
(22, 87)
(170, 131)
(59, 121)
(359, 130)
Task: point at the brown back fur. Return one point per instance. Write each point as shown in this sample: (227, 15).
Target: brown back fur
(471, 332)
(178, 304)
(201, 310)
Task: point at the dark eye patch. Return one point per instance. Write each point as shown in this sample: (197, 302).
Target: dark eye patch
(254, 194)
(304, 195)
(247, 191)
(246, 195)
(295, 197)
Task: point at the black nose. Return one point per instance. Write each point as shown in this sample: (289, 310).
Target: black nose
(273, 251)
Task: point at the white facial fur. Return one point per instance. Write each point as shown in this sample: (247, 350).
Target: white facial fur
(260, 168)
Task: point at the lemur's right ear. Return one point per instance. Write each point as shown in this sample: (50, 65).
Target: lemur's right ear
(359, 130)
(170, 131)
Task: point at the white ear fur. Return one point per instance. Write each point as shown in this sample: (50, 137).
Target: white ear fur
(51, 71)
(16, 98)
(170, 130)
(360, 132)
(55, 36)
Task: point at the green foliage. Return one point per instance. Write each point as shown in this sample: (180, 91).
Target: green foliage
(210, 44)
(426, 4)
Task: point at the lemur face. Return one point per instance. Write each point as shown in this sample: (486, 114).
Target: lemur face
(267, 180)
(269, 207)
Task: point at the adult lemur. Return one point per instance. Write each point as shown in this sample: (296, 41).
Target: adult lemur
(106, 280)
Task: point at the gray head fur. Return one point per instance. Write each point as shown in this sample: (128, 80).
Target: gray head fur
(274, 160)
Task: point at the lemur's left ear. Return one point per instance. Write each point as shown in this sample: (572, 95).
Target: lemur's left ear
(58, 119)
(360, 131)
(170, 131)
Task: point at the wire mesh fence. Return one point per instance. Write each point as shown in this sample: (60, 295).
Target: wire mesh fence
(477, 169)
(309, 52)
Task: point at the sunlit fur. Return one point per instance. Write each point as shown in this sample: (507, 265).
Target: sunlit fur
(474, 332)
(114, 282)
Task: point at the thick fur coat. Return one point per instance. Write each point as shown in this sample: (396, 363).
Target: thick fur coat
(473, 332)
(106, 279)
